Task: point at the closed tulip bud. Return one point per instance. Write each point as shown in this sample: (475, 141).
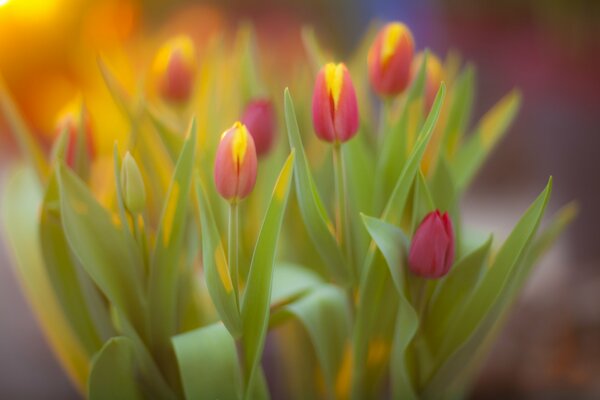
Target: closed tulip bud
(259, 118)
(432, 248)
(389, 59)
(71, 122)
(132, 185)
(175, 69)
(433, 75)
(334, 106)
(235, 163)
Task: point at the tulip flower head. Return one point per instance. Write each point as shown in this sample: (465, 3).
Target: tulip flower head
(71, 121)
(175, 69)
(431, 251)
(389, 59)
(132, 185)
(259, 118)
(235, 163)
(334, 105)
(433, 75)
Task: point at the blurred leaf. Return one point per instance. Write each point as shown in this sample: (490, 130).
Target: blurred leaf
(422, 201)
(250, 84)
(62, 271)
(20, 196)
(393, 244)
(216, 269)
(372, 275)
(28, 146)
(460, 107)
(317, 58)
(113, 373)
(488, 302)
(117, 91)
(167, 131)
(454, 291)
(104, 250)
(491, 128)
(290, 282)
(315, 218)
(325, 314)
(208, 363)
(257, 295)
(166, 259)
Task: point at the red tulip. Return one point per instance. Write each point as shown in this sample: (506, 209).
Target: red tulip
(432, 248)
(259, 118)
(175, 68)
(235, 163)
(71, 122)
(433, 75)
(334, 106)
(389, 59)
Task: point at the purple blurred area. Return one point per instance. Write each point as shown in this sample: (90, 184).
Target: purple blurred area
(549, 49)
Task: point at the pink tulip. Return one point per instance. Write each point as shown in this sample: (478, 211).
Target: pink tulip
(235, 163)
(259, 118)
(334, 105)
(71, 122)
(432, 248)
(175, 68)
(389, 59)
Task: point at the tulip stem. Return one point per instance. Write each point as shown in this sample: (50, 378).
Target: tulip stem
(342, 221)
(233, 247)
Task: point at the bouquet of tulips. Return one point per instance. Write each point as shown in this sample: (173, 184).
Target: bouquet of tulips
(329, 264)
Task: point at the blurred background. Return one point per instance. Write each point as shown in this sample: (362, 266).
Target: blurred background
(550, 49)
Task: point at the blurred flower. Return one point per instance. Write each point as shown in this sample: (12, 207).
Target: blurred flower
(175, 69)
(389, 59)
(433, 75)
(334, 106)
(259, 118)
(235, 163)
(71, 121)
(432, 248)
(132, 185)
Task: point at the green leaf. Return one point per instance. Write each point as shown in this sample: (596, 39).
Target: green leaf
(21, 195)
(454, 291)
(250, 84)
(291, 281)
(28, 146)
(422, 201)
(315, 218)
(460, 107)
(393, 244)
(216, 269)
(107, 252)
(166, 259)
(62, 271)
(166, 130)
(113, 373)
(257, 295)
(325, 314)
(117, 91)
(491, 128)
(487, 303)
(208, 363)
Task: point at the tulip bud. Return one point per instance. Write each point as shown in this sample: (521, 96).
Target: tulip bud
(432, 248)
(433, 75)
(334, 106)
(175, 68)
(71, 122)
(259, 118)
(389, 59)
(235, 163)
(132, 185)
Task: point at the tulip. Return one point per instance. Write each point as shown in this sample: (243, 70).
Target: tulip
(132, 185)
(334, 106)
(433, 75)
(259, 118)
(175, 68)
(71, 122)
(389, 59)
(432, 248)
(235, 163)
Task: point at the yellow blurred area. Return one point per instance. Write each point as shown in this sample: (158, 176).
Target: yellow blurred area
(48, 52)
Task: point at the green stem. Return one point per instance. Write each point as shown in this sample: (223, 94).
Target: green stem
(233, 247)
(342, 217)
